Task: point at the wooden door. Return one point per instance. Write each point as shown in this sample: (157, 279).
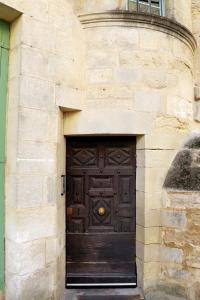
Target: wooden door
(101, 210)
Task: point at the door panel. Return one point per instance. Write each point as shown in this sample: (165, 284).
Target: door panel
(101, 210)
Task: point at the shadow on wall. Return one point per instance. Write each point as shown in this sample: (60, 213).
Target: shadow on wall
(184, 174)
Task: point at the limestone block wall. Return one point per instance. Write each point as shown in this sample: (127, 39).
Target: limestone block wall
(116, 77)
(139, 81)
(45, 71)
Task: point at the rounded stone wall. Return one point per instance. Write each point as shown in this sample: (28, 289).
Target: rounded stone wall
(173, 9)
(138, 66)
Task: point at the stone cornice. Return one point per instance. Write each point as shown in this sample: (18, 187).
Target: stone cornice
(144, 20)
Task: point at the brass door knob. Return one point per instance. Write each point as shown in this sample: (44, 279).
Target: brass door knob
(101, 211)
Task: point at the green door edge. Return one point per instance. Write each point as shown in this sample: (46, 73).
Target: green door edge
(4, 48)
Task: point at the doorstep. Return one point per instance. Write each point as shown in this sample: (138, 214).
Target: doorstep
(104, 294)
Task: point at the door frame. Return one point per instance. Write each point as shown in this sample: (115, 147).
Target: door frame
(96, 136)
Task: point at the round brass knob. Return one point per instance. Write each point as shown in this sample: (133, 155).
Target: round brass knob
(101, 211)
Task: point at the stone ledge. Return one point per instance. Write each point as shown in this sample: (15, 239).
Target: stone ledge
(8, 13)
(139, 20)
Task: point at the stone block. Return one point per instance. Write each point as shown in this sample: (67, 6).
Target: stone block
(197, 111)
(171, 255)
(37, 93)
(153, 200)
(149, 101)
(119, 92)
(70, 98)
(51, 250)
(152, 235)
(36, 166)
(174, 219)
(127, 38)
(160, 295)
(155, 158)
(193, 259)
(100, 59)
(100, 75)
(167, 138)
(140, 250)
(140, 179)
(19, 256)
(34, 62)
(38, 11)
(98, 122)
(37, 285)
(36, 150)
(154, 179)
(182, 200)
(152, 253)
(31, 27)
(149, 218)
(64, 70)
(33, 223)
(179, 107)
(148, 235)
(125, 74)
(36, 125)
(27, 194)
(158, 40)
(151, 270)
(155, 78)
(14, 94)
(50, 190)
(15, 60)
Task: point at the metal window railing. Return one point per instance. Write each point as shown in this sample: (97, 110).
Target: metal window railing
(148, 6)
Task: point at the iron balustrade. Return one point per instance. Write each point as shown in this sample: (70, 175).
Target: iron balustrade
(147, 6)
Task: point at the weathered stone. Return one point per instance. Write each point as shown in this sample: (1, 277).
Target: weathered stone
(37, 285)
(159, 295)
(174, 218)
(171, 255)
(20, 255)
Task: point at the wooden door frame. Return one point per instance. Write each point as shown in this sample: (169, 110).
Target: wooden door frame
(118, 136)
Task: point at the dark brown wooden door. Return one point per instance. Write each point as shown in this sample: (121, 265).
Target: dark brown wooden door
(101, 210)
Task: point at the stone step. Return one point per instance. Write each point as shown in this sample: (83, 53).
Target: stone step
(94, 297)
(104, 294)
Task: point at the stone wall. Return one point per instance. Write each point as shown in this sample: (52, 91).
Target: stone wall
(138, 82)
(46, 71)
(180, 221)
(112, 78)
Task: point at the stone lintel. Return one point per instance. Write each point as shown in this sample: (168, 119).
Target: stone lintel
(8, 13)
(139, 20)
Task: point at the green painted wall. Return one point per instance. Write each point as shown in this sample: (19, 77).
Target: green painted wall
(4, 44)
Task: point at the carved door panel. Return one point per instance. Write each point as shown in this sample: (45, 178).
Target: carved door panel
(100, 210)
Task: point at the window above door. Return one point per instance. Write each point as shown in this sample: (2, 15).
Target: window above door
(155, 7)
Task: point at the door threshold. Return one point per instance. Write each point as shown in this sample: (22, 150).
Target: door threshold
(99, 284)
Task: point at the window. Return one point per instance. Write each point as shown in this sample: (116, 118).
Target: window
(147, 6)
